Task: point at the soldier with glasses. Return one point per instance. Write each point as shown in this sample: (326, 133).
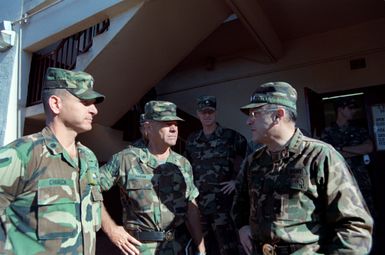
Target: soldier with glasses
(296, 195)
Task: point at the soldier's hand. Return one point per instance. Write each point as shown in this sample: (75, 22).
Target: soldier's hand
(124, 241)
(245, 239)
(228, 187)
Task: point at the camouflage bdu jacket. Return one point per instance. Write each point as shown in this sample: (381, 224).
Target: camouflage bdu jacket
(48, 203)
(154, 195)
(305, 196)
(212, 159)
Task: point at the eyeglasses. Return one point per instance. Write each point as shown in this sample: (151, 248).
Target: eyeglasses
(253, 114)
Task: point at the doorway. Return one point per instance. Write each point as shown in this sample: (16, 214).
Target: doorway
(371, 116)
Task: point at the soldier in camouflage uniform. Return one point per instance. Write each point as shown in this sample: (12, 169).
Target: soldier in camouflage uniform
(214, 153)
(353, 143)
(50, 198)
(296, 194)
(157, 190)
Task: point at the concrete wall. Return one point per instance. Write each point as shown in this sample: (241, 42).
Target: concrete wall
(320, 62)
(9, 11)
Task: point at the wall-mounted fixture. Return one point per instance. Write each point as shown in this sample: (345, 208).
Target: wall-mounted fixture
(7, 36)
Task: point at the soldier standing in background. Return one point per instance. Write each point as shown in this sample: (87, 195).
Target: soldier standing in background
(354, 144)
(156, 188)
(50, 198)
(296, 194)
(215, 154)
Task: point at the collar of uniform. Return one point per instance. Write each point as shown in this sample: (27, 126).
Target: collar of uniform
(217, 133)
(54, 147)
(293, 146)
(172, 158)
(147, 158)
(51, 142)
(144, 155)
(295, 141)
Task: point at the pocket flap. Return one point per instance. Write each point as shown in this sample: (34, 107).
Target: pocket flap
(56, 191)
(135, 182)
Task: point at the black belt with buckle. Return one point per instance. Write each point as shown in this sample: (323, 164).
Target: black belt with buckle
(153, 236)
(278, 249)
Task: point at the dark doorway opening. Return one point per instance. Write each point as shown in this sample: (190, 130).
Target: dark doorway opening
(370, 115)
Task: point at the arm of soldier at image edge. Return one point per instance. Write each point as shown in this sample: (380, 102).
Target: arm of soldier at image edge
(11, 169)
(346, 210)
(194, 226)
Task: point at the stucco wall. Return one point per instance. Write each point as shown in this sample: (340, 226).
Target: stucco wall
(9, 11)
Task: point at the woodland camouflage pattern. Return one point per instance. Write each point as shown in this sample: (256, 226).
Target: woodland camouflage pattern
(48, 204)
(349, 135)
(160, 111)
(306, 195)
(281, 93)
(154, 196)
(212, 159)
(78, 83)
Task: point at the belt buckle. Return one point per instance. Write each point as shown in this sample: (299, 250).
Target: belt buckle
(169, 235)
(268, 249)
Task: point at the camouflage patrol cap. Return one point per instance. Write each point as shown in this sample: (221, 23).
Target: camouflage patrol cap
(160, 111)
(204, 102)
(80, 84)
(280, 93)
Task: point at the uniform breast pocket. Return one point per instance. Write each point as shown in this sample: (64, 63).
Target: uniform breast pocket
(141, 195)
(58, 204)
(294, 201)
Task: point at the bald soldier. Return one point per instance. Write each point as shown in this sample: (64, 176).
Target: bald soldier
(296, 194)
(50, 198)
